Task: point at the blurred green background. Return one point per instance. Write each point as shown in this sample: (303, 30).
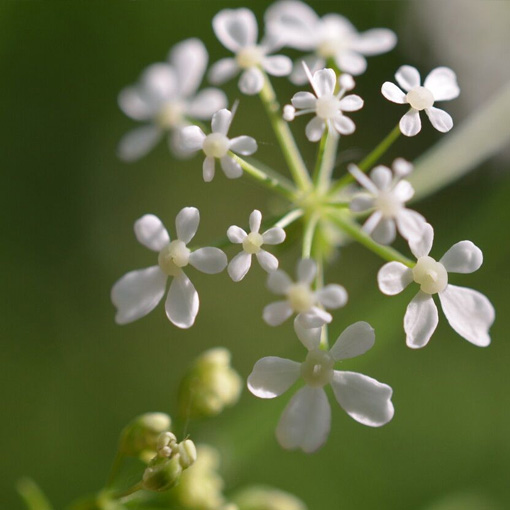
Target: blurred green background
(71, 378)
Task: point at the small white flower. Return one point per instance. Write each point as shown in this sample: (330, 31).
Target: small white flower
(166, 98)
(237, 30)
(329, 37)
(469, 313)
(306, 421)
(439, 85)
(386, 195)
(217, 146)
(301, 299)
(327, 106)
(139, 292)
(252, 245)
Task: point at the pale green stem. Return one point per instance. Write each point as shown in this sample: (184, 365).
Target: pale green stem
(289, 218)
(32, 495)
(287, 143)
(114, 470)
(320, 155)
(328, 163)
(319, 284)
(310, 227)
(135, 488)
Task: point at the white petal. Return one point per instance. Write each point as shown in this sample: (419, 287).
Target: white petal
(182, 302)
(332, 296)
(372, 222)
(279, 282)
(364, 399)
(208, 169)
(381, 176)
(462, 257)
(138, 142)
(267, 261)
(315, 318)
(420, 320)
(176, 145)
(275, 235)
(150, 231)
(232, 169)
(324, 82)
(344, 125)
(191, 138)
(363, 179)
(244, 145)
(208, 260)
(362, 202)
(239, 266)
(442, 82)
(441, 120)
(189, 59)
(392, 93)
(186, 223)
(385, 231)
(403, 190)
(276, 313)
(273, 376)
(314, 63)
(375, 41)
(236, 234)
(410, 224)
(206, 103)
(309, 337)
(159, 82)
(137, 293)
(222, 71)
(303, 100)
(393, 278)
(277, 65)
(134, 104)
(314, 129)
(408, 77)
(422, 247)
(351, 62)
(251, 81)
(306, 421)
(410, 123)
(306, 271)
(221, 120)
(235, 28)
(355, 340)
(469, 313)
(401, 168)
(351, 103)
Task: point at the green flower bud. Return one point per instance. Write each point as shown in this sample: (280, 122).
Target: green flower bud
(267, 498)
(210, 385)
(187, 453)
(141, 435)
(162, 474)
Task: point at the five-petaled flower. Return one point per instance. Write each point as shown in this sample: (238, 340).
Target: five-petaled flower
(439, 85)
(237, 30)
(469, 312)
(139, 292)
(165, 98)
(306, 421)
(252, 245)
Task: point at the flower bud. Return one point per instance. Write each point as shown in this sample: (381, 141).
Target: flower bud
(210, 385)
(187, 453)
(162, 474)
(141, 435)
(267, 498)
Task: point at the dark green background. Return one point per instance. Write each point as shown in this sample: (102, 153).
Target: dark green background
(71, 378)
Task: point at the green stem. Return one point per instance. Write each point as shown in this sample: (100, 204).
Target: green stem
(328, 162)
(320, 156)
(32, 495)
(287, 143)
(289, 218)
(319, 284)
(134, 488)
(310, 227)
(114, 470)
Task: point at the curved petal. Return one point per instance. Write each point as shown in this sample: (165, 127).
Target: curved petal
(159, 82)
(408, 77)
(392, 93)
(410, 123)
(421, 247)
(355, 340)
(364, 399)
(138, 142)
(268, 262)
(309, 337)
(276, 313)
(372, 222)
(315, 318)
(314, 63)
(410, 224)
(351, 103)
(277, 65)
(385, 231)
(150, 231)
(206, 103)
(420, 320)
(375, 41)
(393, 278)
(306, 271)
(382, 177)
(344, 125)
(469, 313)
(189, 59)
(133, 103)
(351, 62)
(315, 129)
(403, 190)
(401, 168)
(191, 138)
(362, 202)
(223, 70)
(441, 120)
(182, 302)
(244, 145)
(306, 421)
(324, 82)
(442, 82)
(208, 169)
(186, 223)
(236, 234)
(232, 169)
(332, 296)
(239, 266)
(176, 145)
(137, 293)
(462, 257)
(303, 100)
(272, 376)
(251, 81)
(221, 120)
(275, 235)
(279, 282)
(208, 260)
(235, 28)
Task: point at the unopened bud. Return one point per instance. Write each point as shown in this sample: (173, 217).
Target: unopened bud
(162, 474)
(346, 82)
(187, 453)
(141, 435)
(166, 444)
(289, 113)
(267, 498)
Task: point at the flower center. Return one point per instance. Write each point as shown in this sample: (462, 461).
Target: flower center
(420, 98)
(431, 275)
(387, 204)
(170, 115)
(215, 145)
(327, 107)
(301, 298)
(252, 242)
(172, 257)
(250, 56)
(317, 369)
(329, 47)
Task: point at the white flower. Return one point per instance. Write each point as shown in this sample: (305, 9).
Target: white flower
(301, 299)
(329, 37)
(217, 145)
(138, 292)
(327, 106)
(439, 85)
(252, 245)
(237, 30)
(469, 313)
(166, 98)
(386, 195)
(306, 421)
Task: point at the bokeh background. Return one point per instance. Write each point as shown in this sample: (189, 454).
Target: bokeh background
(71, 378)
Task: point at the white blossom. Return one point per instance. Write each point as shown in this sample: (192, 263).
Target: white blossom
(252, 245)
(439, 85)
(469, 312)
(237, 30)
(331, 37)
(217, 145)
(327, 106)
(139, 292)
(301, 299)
(386, 195)
(165, 99)
(306, 421)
